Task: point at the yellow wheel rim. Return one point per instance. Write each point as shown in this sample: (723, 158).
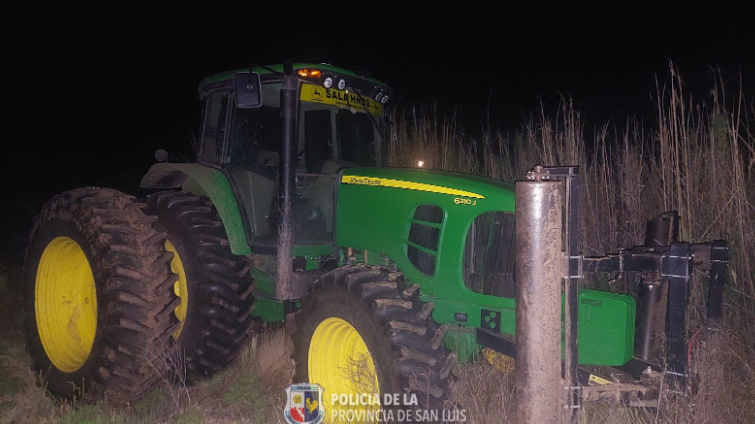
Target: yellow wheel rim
(340, 362)
(65, 303)
(180, 287)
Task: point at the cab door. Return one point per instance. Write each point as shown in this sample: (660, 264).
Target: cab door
(212, 144)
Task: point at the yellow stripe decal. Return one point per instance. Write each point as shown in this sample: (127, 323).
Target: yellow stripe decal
(387, 182)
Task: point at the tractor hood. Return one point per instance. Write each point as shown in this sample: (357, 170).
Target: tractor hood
(453, 188)
(377, 209)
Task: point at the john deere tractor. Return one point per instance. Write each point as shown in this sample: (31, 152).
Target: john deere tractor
(384, 277)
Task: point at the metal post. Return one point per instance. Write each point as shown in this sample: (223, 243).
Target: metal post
(650, 321)
(676, 270)
(573, 276)
(287, 183)
(662, 231)
(539, 272)
(719, 259)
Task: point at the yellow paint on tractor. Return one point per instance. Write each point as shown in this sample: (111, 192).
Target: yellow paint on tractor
(340, 362)
(180, 287)
(407, 185)
(65, 303)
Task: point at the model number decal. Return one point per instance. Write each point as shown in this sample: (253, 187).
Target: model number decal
(462, 201)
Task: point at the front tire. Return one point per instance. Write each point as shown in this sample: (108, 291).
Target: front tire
(97, 297)
(370, 311)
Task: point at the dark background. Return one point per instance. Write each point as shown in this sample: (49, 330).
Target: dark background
(94, 91)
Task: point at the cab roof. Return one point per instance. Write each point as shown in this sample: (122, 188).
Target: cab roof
(228, 75)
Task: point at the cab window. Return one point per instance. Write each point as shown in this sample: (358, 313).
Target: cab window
(213, 134)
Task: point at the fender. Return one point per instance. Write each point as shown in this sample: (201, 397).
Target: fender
(203, 180)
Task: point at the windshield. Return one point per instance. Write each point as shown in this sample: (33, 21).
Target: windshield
(333, 125)
(340, 125)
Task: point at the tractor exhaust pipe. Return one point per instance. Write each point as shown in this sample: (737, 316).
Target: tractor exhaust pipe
(287, 183)
(540, 268)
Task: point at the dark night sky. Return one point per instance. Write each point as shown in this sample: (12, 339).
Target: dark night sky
(93, 92)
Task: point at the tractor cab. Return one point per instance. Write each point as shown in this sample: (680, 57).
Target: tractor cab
(338, 122)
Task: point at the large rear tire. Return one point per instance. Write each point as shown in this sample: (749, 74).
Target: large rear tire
(370, 312)
(97, 297)
(214, 284)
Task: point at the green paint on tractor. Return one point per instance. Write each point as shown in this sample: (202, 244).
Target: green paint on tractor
(430, 225)
(377, 208)
(268, 310)
(203, 181)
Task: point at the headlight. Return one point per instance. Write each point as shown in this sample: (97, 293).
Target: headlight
(328, 82)
(341, 84)
(378, 96)
(384, 100)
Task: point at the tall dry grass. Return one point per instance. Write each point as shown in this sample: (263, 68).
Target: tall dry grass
(698, 158)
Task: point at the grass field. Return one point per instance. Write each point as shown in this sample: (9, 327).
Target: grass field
(698, 159)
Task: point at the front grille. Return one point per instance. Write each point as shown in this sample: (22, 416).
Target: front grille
(424, 233)
(424, 236)
(429, 213)
(423, 261)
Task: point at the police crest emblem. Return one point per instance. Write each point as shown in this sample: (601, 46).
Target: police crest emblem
(304, 404)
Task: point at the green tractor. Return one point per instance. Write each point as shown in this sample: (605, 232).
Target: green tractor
(384, 277)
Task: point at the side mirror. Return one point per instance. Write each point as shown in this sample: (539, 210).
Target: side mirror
(247, 90)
